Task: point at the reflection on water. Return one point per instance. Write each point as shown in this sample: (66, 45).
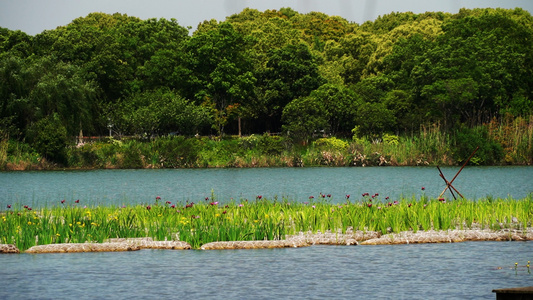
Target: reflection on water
(142, 186)
(469, 270)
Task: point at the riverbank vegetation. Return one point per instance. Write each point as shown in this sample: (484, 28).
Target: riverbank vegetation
(403, 89)
(258, 219)
(506, 143)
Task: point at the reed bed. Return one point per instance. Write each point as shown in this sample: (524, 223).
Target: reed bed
(260, 219)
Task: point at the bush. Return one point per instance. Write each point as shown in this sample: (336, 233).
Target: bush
(271, 145)
(177, 151)
(390, 139)
(249, 142)
(466, 141)
(131, 156)
(84, 156)
(332, 143)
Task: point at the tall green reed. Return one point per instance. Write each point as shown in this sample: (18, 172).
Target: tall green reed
(257, 219)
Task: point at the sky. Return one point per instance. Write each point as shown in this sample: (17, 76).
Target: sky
(34, 16)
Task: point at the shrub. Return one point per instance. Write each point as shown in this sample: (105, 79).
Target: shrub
(177, 151)
(132, 157)
(272, 145)
(391, 139)
(84, 156)
(332, 143)
(466, 141)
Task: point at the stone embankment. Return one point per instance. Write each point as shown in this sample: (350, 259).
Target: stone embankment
(82, 247)
(8, 248)
(303, 239)
(451, 236)
(111, 245)
(149, 243)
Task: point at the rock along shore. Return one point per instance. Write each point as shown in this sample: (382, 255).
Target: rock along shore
(302, 239)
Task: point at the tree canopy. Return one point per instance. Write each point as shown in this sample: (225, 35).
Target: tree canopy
(276, 71)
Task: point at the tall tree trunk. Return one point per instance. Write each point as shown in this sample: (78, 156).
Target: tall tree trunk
(239, 120)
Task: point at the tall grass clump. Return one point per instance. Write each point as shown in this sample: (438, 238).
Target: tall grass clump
(515, 136)
(4, 143)
(429, 146)
(20, 156)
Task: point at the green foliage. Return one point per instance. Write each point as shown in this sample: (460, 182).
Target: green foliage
(304, 117)
(270, 144)
(49, 137)
(466, 141)
(291, 73)
(159, 112)
(340, 106)
(113, 49)
(390, 139)
(221, 73)
(16, 43)
(262, 219)
(34, 88)
(177, 151)
(374, 118)
(83, 157)
(332, 143)
(267, 71)
(131, 156)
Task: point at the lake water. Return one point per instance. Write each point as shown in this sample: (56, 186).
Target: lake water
(38, 188)
(469, 270)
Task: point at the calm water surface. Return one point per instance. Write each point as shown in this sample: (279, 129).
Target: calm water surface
(469, 270)
(141, 186)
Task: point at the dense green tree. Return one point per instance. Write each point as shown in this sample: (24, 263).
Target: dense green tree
(340, 105)
(303, 117)
(396, 73)
(427, 29)
(318, 28)
(14, 89)
(62, 89)
(406, 114)
(49, 137)
(292, 72)
(15, 43)
(113, 48)
(351, 54)
(33, 89)
(265, 31)
(468, 138)
(159, 112)
(220, 72)
(374, 119)
(475, 68)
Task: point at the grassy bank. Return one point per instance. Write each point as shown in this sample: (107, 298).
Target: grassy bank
(501, 143)
(259, 219)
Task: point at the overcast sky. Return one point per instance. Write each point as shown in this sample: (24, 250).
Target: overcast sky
(34, 16)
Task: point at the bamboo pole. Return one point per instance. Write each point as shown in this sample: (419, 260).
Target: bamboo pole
(449, 184)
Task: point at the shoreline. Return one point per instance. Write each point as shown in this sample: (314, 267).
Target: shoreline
(302, 239)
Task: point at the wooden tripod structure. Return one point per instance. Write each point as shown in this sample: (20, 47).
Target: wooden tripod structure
(449, 183)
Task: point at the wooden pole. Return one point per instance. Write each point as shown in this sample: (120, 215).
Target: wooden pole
(450, 184)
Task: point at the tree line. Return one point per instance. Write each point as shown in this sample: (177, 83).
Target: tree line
(271, 71)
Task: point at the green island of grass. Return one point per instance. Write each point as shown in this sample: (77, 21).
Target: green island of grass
(261, 219)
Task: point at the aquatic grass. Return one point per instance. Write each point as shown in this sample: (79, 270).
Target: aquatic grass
(258, 219)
